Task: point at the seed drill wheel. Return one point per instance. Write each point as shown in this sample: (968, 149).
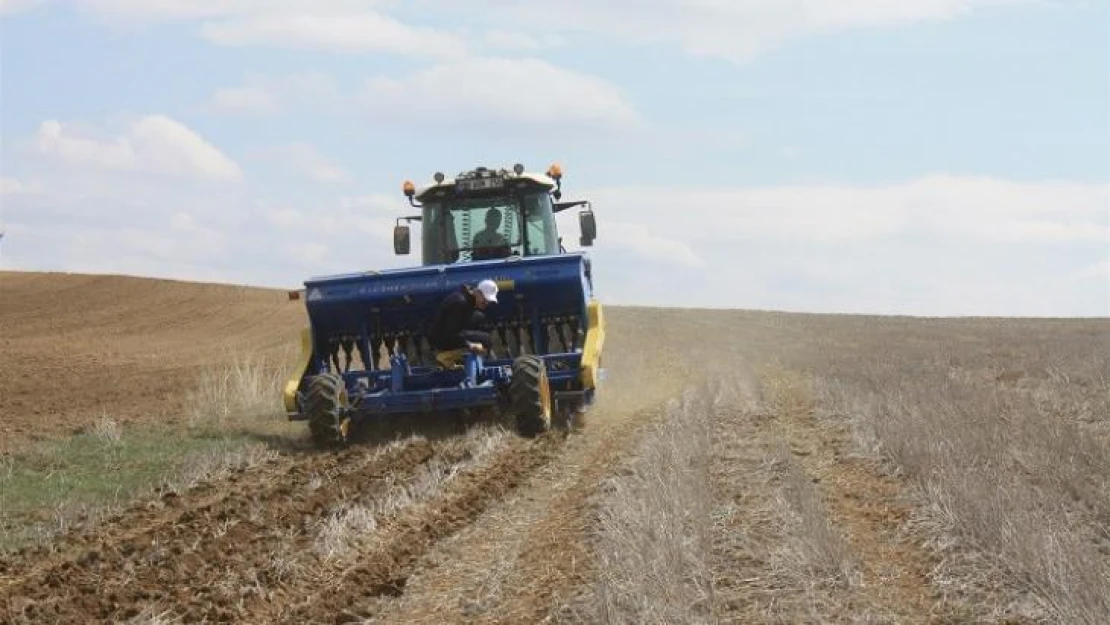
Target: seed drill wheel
(530, 395)
(325, 405)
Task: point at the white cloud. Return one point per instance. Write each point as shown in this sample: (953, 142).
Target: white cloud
(265, 95)
(50, 235)
(373, 203)
(154, 11)
(190, 232)
(938, 245)
(13, 186)
(308, 253)
(520, 41)
(339, 220)
(736, 30)
(640, 242)
(158, 11)
(334, 25)
(153, 144)
(301, 159)
(473, 91)
(280, 217)
(11, 7)
(498, 90)
(979, 208)
(357, 32)
(1099, 272)
(244, 100)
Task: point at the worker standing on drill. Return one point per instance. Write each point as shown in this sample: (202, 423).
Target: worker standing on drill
(459, 317)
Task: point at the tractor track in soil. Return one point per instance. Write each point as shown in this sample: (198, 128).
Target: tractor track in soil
(525, 560)
(218, 557)
(189, 554)
(207, 497)
(349, 594)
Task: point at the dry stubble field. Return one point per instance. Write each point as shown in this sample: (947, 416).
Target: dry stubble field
(740, 467)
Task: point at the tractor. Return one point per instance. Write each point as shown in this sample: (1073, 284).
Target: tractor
(366, 353)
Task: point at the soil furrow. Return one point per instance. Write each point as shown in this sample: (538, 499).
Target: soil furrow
(555, 559)
(212, 559)
(167, 508)
(149, 516)
(526, 559)
(851, 531)
(385, 564)
(868, 509)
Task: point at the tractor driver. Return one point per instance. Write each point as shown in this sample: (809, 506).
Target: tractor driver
(460, 314)
(489, 243)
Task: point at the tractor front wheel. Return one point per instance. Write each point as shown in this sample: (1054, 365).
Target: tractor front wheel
(530, 395)
(325, 405)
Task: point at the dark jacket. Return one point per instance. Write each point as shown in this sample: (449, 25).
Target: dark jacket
(455, 316)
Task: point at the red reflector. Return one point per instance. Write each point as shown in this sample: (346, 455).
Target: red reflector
(294, 295)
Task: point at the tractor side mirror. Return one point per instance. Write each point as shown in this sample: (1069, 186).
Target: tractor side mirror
(588, 227)
(401, 240)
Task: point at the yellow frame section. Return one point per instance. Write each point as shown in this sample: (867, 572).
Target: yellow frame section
(290, 394)
(595, 340)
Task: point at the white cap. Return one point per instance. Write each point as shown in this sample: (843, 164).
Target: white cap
(489, 290)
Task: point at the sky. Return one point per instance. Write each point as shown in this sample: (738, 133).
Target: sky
(935, 157)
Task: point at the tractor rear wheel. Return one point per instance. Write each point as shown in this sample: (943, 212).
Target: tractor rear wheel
(325, 404)
(530, 395)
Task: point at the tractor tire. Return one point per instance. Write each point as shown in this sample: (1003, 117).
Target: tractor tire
(325, 404)
(530, 396)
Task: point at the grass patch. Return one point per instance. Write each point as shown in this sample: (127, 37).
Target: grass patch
(46, 489)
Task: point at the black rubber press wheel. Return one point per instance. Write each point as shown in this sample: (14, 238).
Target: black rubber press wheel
(530, 395)
(325, 404)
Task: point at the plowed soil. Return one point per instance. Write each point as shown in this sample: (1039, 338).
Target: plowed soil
(481, 527)
(76, 347)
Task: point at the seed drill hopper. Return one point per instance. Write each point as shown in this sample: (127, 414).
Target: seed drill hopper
(366, 355)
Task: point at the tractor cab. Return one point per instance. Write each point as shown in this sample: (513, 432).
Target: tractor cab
(487, 214)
